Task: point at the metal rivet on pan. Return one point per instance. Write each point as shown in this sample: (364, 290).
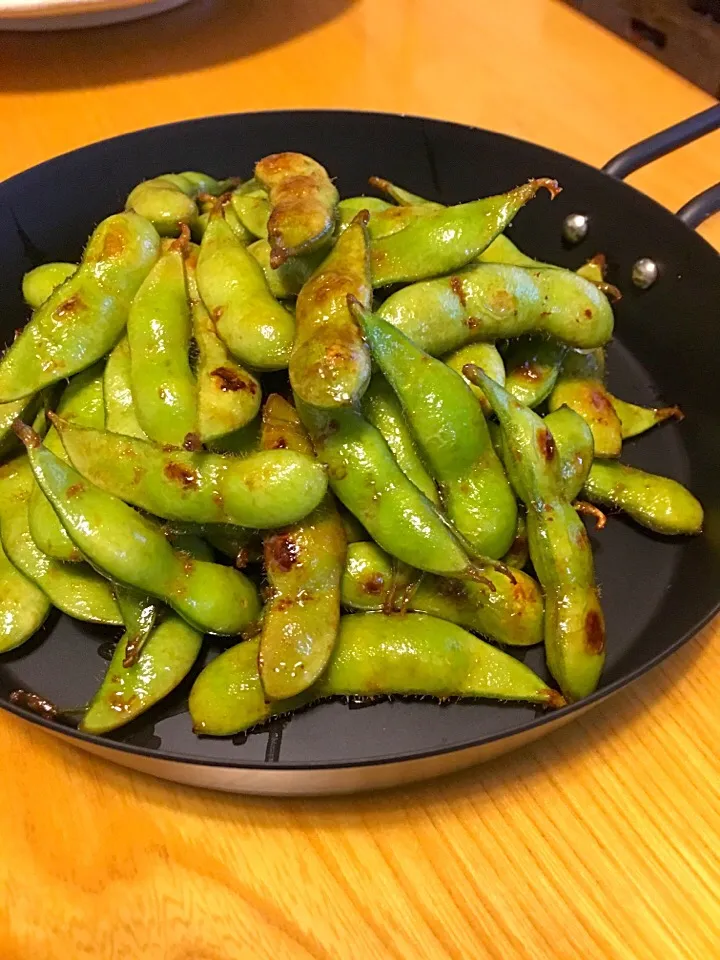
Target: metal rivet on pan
(644, 273)
(575, 227)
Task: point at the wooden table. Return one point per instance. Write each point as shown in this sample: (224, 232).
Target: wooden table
(600, 841)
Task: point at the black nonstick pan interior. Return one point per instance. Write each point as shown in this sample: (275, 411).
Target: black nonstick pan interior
(656, 591)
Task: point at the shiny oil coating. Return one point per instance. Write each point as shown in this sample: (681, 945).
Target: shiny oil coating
(365, 477)
(330, 362)
(446, 239)
(84, 318)
(303, 565)
(126, 692)
(453, 436)
(131, 550)
(559, 546)
(159, 328)
(302, 204)
(75, 589)
(505, 608)
(23, 606)
(82, 402)
(265, 489)
(256, 329)
(532, 367)
(383, 410)
(575, 448)
(375, 655)
(489, 301)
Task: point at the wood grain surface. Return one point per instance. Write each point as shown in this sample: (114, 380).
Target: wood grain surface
(600, 841)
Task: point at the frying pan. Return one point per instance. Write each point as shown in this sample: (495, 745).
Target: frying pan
(657, 592)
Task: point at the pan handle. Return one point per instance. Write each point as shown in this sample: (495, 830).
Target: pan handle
(695, 211)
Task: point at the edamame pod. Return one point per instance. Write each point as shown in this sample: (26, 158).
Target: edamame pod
(38, 284)
(506, 610)
(228, 396)
(594, 404)
(376, 655)
(303, 565)
(484, 355)
(254, 326)
(330, 362)
(453, 435)
(559, 546)
(382, 409)
(128, 691)
(490, 301)
(138, 614)
(26, 407)
(251, 207)
(402, 197)
(168, 201)
(364, 476)
(575, 450)
(81, 402)
(635, 420)
(287, 281)
(532, 367)
(23, 606)
(261, 490)
(86, 315)
(75, 589)
(349, 208)
(448, 238)
(655, 502)
(158, 332)
(130, 550)
(302, 204)
(120, 413)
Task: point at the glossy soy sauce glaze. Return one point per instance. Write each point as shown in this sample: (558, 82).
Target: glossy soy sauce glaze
(656, 592)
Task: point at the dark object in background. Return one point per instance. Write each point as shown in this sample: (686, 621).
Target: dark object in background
(683, 34)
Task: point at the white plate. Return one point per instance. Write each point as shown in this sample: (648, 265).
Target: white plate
(71, 14)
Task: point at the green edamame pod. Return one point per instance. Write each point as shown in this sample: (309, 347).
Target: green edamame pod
(402, 197)
(448, 238)
(382, 409)
(355, 532)
(228, 396)
(489, 301)
(484, 355)
(128, 691)
(75, 589)
(23, 606)
(575, 449)
(453, 435)
(635, 420)
(120, 413)
(132, 551)
(287, 281)
(261, 490)
(375, 655)
(168, 201)
(532, 367)
(40, 283)
(349, 208)
(86, 315)
(81, 402)
(559, 546)
(159, 327)
(254, 326)
(505, 611)
(303, 565)
(27, 407)
(138, 614)
(503, 250)
(303, 203)
(590, 399)
(252, 209)
(330, 362)
(655, 502)
(364, 476)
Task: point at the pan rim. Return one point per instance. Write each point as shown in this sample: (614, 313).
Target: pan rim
(284, 766)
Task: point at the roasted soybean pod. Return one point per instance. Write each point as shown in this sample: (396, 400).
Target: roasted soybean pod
(39, 283)
(23, 605)
(376, 655)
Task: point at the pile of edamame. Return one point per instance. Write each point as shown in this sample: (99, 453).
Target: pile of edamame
(328, 434)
